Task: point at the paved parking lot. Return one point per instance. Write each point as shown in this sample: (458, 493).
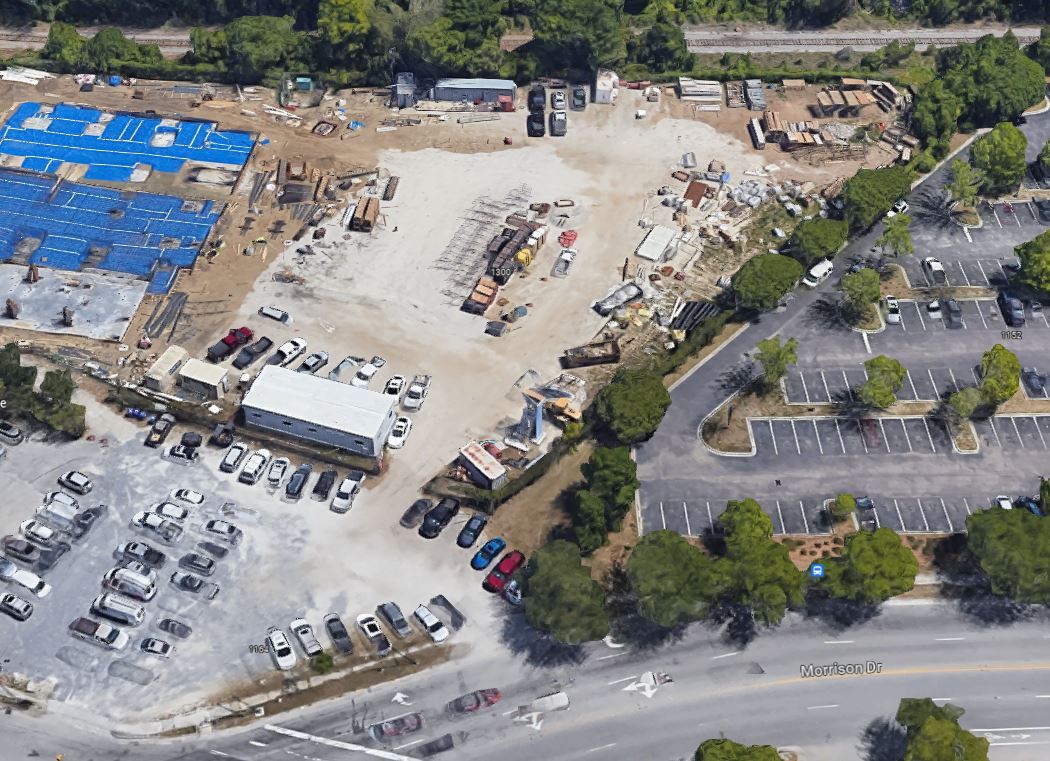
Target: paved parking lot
(922, 515)
(980, 315)
(1014, 432)
(960, 271)
(697, 517)
(835, 437)
(1005, 226)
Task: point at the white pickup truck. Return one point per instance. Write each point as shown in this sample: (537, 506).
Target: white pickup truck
(417, 392)
(104, 635)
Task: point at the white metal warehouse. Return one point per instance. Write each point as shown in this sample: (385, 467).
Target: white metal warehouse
(312, 408)
(470, 90)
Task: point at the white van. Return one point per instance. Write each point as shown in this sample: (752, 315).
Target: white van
(255, 467)
(818, 273)
(132, 584)
(554, 701)
(274, 314)
(118, 609)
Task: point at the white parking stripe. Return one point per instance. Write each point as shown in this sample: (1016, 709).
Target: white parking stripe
(1018, 432)
(1031, 210)
(899, 516)
(817, 434)
(966, 504)
(685, 512)
(877, 523)
(795, 434)
(663, 518)
(979, 312)
(944, 507)
(884, 439)
(1005, 276)
(802, 509)
(954, 382)
(991, 423)
(933, 382)
(987, 281)
(825, 382)
(1043, 315)
(710, 519)
(783, 528)
(996, 216)
(1035, 422)
(962, 269)
(773, 436)
(906, 436)
(976, 377)
(914, 393)
(860, 430)
(849, 389)
(839, 432)
(802, 377)
(918, 311)
(933, 447)
(922, 512)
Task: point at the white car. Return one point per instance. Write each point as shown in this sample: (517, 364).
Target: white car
(290, 351)
(364, 375)
(901, 207)
(347, 491)
(76, 481)
(157, 647)
(395, 386)
(223, 530)
(278, 470)
(61, 498)
(10, 572)
(37, 531)
(434, 627)
(280, 649)
(188, 496)
(818, 273)
(933, 310)
(935, 273)
(1004, 502)
(893, 310)
(305, 634)
(398, 434)
(254, 467)
(233, 457)
(169, 510)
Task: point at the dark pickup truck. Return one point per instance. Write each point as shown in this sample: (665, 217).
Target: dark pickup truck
(236, 337)
(251, 353)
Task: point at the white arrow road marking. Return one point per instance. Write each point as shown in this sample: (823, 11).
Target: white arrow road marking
(610, 642)
(400, 698)
(535, 717)
(384, 754)
(621, 681)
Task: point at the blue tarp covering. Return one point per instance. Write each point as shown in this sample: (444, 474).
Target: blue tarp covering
(124, 142)
(128, 228)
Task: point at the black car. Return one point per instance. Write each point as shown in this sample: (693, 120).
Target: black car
(160, 430)
(414, 514)
(175, 628)
(20, 549)
(250, 353)
(579, 99)
(1035, 382)
(1043, 207)
(432, 748)
(215, 550)
(324, 484)
(296, 484)
(1012, 309)
(472, 530)
(143, 553)
(49, 556)
(535, 125)
(337, 632)
(538, 98)
(952, 314)
(439, 517)
(191, 440)
(194, 561)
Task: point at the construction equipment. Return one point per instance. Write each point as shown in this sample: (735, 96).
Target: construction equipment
(13, 308)
(67, 317)
(33, 274)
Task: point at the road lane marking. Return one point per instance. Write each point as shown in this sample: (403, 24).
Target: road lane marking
(1038, 430)
(839, 641)
(943, 699)
(725, 655)
(773, 436)
(885, 440)
(839, 432)
(933, 447)
(966, 504)
(409, 745)
(710, 519)
(949, 639)
(825, 382)
(257, 744)
(1010, 729)
(907, 436)
(685, 512)
(1018, 432)
(978, 305)
(899, 516)
(818, 708)
(849, 389)
(817, 434)
(795, 434)
(918, 311)
(952, 376)
(922, 512)
(962, 269)
(218, 753)
(663, 518)
(802, 509)
(914, 393)
(600, 747)
(932, 381)
(944, 507)
(783, 528)
(1043, 696)
(867, 345)
(991, 424)
(1033, 742)
(618, 681)
(613, 655)
(805, 390)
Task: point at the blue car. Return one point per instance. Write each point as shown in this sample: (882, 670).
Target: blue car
(487, 553)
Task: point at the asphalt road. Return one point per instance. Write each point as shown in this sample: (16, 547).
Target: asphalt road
(759, 694)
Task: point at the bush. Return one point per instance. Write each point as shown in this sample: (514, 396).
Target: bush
(631, 407)
(843, 506)
(322, 664)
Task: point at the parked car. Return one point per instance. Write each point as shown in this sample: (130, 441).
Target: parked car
(180, 452)
(254, 467)
(275, 314)
(472, 530)
(187, 582)
(473, 702)
(117, 609)
(324, 484)
(61, 498)
(217, 551)
(431, 623)
(1012, 309)
(437, 518)
(512, 592)
(933, 309)
(1029, 504)
(175, 628)
(167, 531)
(36, 531)
(506, 568)
(395, 386)
(189, 496)
(399, 433)
(1033, 381)
(313, 363)
(163, 426)
(392, 614)
(104, 635)
(338, 634)
(622, 296)
(11, 433)
(367, 372)
(170, 510)
(417, 393)
(953, 314)
(557, 99)
(252, 352)
(75, 481)
(233, 457)
(893, 310)
(305, 634)
(1003, 502)
(415, 512)
(935, 274)
(396, 727)
(223, 530)
(439, 745)
(296, 484)
(347, 491)
(901, 207)
(559, 123)
(15, 607)
(288, 352)
(369, 626)
(157, 647)
(537, 98)
(483, 557)
(197, 563)
(579, 99)
(278, 470)
(818, 273)
(20, 549)
(535, 124)
(142, 553)
(280, 649)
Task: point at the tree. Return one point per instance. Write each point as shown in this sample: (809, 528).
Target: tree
(965, 183)
(207, 46)
(1044, 155)
(760, 575)
(662, 46)
(1035, 262)
(344, 25)
(1044, 494)
(764, 279)
(727, 750)
(896, 236)
(673, 581)
(611, 476)
(578, 33)
(870, 193)
(12, 374)
(817, 238)
(861, 289)
(560, 598)
(775, 357)
(64, 45)
(631, 407)
(1013, 549)
(936, 112)
(1000, 374)
(999, 155)
(873, 567)
(109, 47)
(257, 44)
(58, 386)
(588, 522)
(843, 506)
(967, 401)
(934, 734)
(322, 663)
(885, 377)
(1039, 51)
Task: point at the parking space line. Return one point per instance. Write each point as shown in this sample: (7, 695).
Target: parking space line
(802, 377)
(816, 433)
(849, 389)
(795, 434)
(977, 304)
(825, 382)
(918, 311)
(996, 216)
(952, 376)
(878, 523)
(884, 439)
(839, 432)
(991, 424)
(899, 516)
(710, 519)
(962, 269)
(862, 441)
(1047, 324)
(773, 436)
(783, 527)
(987, 281)
(933, 447)
(1035, 422)
(685, 512)
(944, 507)
(1016, 431)
(976, 377)
(932, 381)
(906, 436)
(802, 509)
(914, 393)
(663, 518)
(1001, 269)
(922, 512)
(1028, 205)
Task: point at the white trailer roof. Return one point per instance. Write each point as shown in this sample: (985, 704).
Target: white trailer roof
(655, 243)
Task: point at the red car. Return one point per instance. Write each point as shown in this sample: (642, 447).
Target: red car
(499, 575)
(473, 701)
(238, 337)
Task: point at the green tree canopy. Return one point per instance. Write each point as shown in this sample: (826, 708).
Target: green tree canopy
(885, 377)
(999, 155)
(582, 34)
(727, 750)
(1039, 51)
(934, 734)
(560, 597)
(632, 405)
(662, 46)
(588, 521)
(816, 239)
(775, 356)
(937, 110)
(344, 25)
(966, 182)
(611, 476)
(843, 506)
(64, 46)
(870, 193)
(1035, 262)
(861, 289)
(967, 401)
(1013, 549)
(873, 567)
(674, 582)
(257, 44)
(896, 236)
(58, 386)
(1000, 374)
(764, 279)
(110, 47)
(1044, 153)
(12, 374)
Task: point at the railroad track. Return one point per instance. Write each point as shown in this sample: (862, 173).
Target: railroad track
(36, 39)
(726, 41)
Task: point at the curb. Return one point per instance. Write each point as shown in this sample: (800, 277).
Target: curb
(716, 452)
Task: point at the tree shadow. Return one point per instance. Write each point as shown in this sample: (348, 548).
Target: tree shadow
(931, 207)
(849, 406)
(740, 628)
(538, 649)
(830, 312)
(976, 601)
(883, 740)
(741, 377)
(626, 624)
(839, 614)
